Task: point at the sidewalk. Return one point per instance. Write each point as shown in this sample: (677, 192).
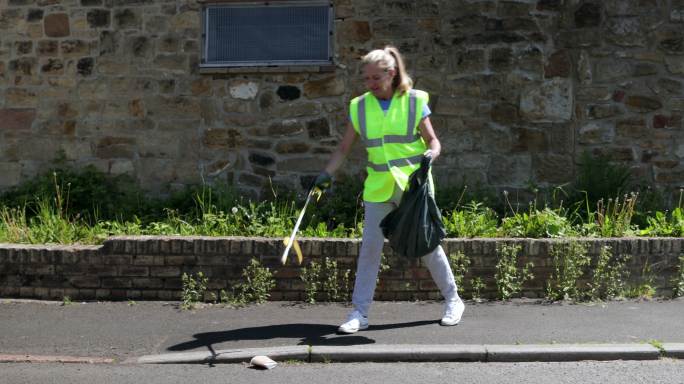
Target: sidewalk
(399, 331)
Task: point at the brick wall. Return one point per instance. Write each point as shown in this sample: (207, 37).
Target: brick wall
(150, 268)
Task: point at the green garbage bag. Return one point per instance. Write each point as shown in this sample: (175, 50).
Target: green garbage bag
(415, 227)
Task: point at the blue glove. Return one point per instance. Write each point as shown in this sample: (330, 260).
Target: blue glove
(323, 181)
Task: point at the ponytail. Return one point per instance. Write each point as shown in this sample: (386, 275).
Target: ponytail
(390, 58)
(402, 81)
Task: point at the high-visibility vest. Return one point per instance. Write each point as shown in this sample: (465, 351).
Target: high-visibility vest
(393, 142)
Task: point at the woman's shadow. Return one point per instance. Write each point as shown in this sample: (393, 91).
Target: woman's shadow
(306, 334)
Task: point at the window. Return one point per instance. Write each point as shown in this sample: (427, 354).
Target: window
(276, 33)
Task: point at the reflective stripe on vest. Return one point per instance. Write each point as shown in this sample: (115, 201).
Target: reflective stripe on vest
(413, 160)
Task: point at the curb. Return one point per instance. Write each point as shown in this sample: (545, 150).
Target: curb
(299, 352)
(673, 350)
(427, 353)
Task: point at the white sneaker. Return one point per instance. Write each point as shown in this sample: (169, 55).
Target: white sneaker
(453, 311)
(355, 322)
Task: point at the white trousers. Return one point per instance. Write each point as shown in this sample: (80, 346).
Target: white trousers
(368, 264)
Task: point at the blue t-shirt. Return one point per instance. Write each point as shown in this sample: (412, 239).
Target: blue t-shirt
(385, 104)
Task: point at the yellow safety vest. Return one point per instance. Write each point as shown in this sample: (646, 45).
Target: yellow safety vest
(393, 142)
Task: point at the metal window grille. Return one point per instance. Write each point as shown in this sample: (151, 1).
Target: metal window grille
(267, 34)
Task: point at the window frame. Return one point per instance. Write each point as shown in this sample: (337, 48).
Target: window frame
(203, 64)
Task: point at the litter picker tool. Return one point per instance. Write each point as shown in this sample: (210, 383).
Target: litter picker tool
(290, 241)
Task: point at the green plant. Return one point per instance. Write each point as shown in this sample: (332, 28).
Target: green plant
(657, 344)
(614, 218)
(510, 278)
(324, 278)
(66, 300)
(473, 220)
(678, 280)
(311, 277)
(459, 264)
(536, 223)
(257, 287)
(194, 287)
(476, 288)
(645, 288)
(610, 275)
(664, 224)
(569, 262)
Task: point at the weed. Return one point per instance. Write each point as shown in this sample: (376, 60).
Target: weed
(658, 345)
(569, 261)
(678, 280)
(476, 288)
(66, 300)
(257, 287)
(510, 278)
(614, 218)
(536, 223)
(610, 275)
(194, 287)
(324, 279)
(459, 264)
(646, 286)
(311, 277)
(473, 220)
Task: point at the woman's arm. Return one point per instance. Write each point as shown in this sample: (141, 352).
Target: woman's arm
(430, 137)
(342, 150)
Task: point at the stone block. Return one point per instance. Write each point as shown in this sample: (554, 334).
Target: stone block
(675, 64)
(222, 138)
(52, 66)
(352, 32)
(318, 128)
(632, 128)
(290, 147)
(177, 63)
(128, 18)
(74, 48)
(558, 65)
(626, 32)
(99, 18)
(169, 271)
(638, 103)
(56, 25)
(20, 98)
(588, 15)
(597, 133)
(552, 168)
(508, 170)
(328, 86)
(469, 61)
(549, 102)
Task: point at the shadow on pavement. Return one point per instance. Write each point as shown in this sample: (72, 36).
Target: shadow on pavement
(308, 334)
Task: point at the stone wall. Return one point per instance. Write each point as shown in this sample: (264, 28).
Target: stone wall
(519, 90)
(151, 267)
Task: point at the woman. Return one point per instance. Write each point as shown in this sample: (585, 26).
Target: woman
(385, 119)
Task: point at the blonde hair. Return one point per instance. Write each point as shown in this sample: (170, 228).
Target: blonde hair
(390, 58)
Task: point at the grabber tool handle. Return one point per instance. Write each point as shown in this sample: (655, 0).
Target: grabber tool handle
(289, 242)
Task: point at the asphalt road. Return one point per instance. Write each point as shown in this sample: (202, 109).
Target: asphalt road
(615, 372)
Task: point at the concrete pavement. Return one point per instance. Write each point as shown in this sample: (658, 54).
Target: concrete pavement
(521, 330)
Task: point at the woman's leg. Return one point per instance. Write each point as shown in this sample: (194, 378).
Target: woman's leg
(368, 263)
(438, 265)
